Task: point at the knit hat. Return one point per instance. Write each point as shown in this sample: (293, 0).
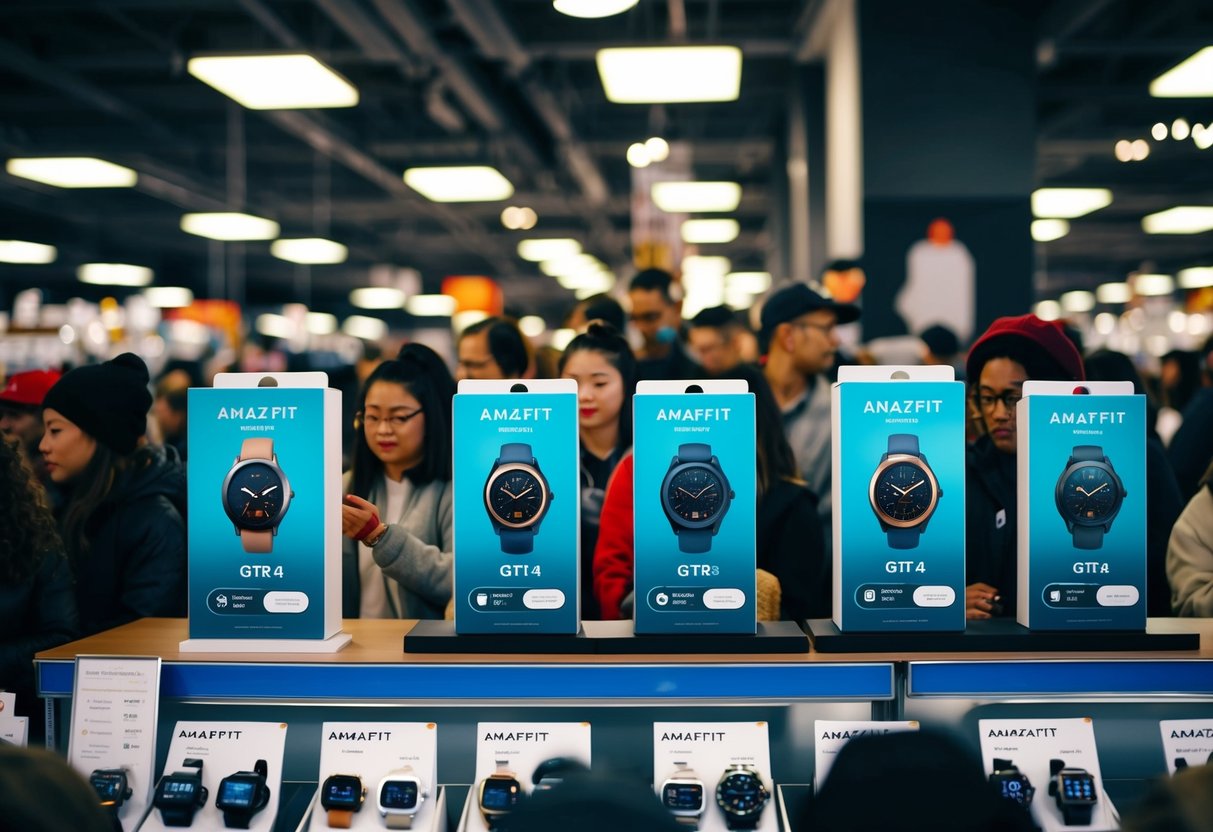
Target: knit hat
(1040, 346)
(108, 401)
(28, 389)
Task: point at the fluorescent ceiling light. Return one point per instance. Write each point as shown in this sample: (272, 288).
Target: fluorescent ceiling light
(1068, 203)
(275, 326)
(700, 266)
(471, 183)
(431, 306)
(592, 8)
(737, 299)
(539, 250)
(658, 148)
(114, 274)
(1114, 293)
(320, 323)
(670, 74)
(19, 251)
(576, 264)
(462, 320)
(229, 226)
(360, 326)
(754, 283)
(1079, 301)
(377, 297)
(1048, 310)
(638, 155)
(532, 325)
(1153, 284)
(73, 172)
(309, 251)
(561, 338)
(1197, 277)
(588, 284)
(1183, 219)
(1044, 231)
(1193, 78)
(1105, 323)
(710, 231)
(696, 197)
(274, 82)
(168, 297)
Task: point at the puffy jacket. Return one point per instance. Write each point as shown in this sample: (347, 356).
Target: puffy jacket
(35, 614)
(990, 521)
(1190, 557)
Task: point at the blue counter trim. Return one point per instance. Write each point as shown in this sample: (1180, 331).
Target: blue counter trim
(982, 679)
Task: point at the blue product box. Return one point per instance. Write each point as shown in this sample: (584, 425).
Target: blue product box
(264, 477)
(517, 507)
(899, 499)
(1082, 506)
(695, 498)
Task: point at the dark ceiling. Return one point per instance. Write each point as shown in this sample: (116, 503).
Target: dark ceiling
(510, 83)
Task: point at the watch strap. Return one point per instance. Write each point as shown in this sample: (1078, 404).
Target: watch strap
(518, 541)
(398, 821)
(1077, 814)
(257, 448)
(1088, 453)
(695, 452)
(1003, 765)
(1088, 537)
(900, 538)
(694, 541)
(1055, 766)
(517, 452)
(236, 820)
(178, 815)
(340, 818)
(903, 443)
(257, 542)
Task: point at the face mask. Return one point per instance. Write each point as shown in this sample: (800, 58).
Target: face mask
(667, 335)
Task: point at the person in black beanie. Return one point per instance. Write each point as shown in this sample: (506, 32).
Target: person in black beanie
(121, 519)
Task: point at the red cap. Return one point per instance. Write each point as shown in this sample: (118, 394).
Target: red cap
(1040, 346)
(29, 388)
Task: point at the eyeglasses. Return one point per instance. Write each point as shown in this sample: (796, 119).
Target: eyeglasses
(372, 421)
(1009, 399)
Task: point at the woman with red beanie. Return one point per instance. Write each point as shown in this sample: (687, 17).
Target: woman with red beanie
(1010, 352)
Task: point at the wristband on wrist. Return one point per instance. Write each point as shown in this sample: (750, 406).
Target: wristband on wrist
(368, 528)
(376, 537)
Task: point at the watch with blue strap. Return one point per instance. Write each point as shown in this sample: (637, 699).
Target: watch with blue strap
(1089, 495)
(904, 492)
(517, 497)
(695, 495)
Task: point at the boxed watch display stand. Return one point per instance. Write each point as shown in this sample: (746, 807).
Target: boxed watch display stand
(264, 519)
(1081, 493)
(517, 509)
(694, 502)
(829, 736)
(1186, 742)
(220, 774)
(898, 499)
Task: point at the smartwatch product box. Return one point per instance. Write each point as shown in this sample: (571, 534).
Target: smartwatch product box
(517, 507)
(1187, 743)
(264, 477)
(1081, 491)
(694, 498)
(831, 735)
(899, 499)
(715, 776)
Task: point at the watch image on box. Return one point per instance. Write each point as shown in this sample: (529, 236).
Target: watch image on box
(342, 796)
(1074, 790)
(684, 795)
(741, 795)
(904, 492)
(399, 797)
(112, 787)
(517, 497)
(180, 794)
(1012, 783)
(242, 795)
(256, 495)
(695, 495)
(1089, 495)
(498, 794)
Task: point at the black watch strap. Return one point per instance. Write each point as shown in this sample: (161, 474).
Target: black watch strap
(236, 820)
(1077, 814)
(742, 823)
(178, 816)
(1003, 765)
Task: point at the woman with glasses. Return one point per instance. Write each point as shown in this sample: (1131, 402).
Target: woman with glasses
(396, 516)
(1006, 355)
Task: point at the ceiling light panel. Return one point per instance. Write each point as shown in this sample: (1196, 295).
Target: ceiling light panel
(592, 8)
(377, 297)
(114, 274)
(168, 297)
(309, 251)
(539, 250)
(1182, 219)
(1068, 203)
(1153, 284)
(696, 197)
(442, 306)
(1113, 293)
(1193, 78)
(472, 183)
(229, 226)
(753, 283)
(361, 326)
(73, 172)
(1197, 277)
(710, 231)
(275, 82)
(670, 74)
(20, 251)
(1045, 231)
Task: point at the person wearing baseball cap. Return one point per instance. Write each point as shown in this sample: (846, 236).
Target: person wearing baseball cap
(1012, 351)
(800, 341)
(121, 521)
(21, 413)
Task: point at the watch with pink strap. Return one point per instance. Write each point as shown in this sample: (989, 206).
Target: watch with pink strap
(256, 495)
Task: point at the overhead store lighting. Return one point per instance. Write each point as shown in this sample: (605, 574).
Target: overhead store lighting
(1180, 129)
(658, 148)
(1151, 285)
(1139, 149)
(1105, 323)
(532, 326)
(710, 231)
(1068, 203)
(1193, 78)
(562, 337)
(1078, 301)
(320, 323)
(670, 74)
(1183, 219)
(588, 283)
(574, 264)
(462, 320)
(114, 274)
(168, 297)
(377, 297)
(360, 326)
(470, 183)
(274, 82)
(1203, 139)
(519, 218)
(1159, 131)
(229, 226)
(434, 306)
(73, 172)
(1114, 293)
(539, 250)
(309, 251)
(638, 155)
(1197, 277)
(592, 8)
(753, 283)
(701, 266)
(276, 326)
(20, 251)
(1045, 231)
(696, 197)
(1048, 310)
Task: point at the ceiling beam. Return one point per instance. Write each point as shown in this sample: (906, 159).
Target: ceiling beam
(751, 48)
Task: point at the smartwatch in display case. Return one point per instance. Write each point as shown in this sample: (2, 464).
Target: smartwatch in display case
(517, 497)
(499, 793)
(242, 795)
(904, 492)
(112, 787)
(180, 794)
(1089, 495)
(684, 796)
(1012, 783)
(1075, 791)
(341, 796)
(742, 796)
(256, 495)
(695, 496)
(399, 798)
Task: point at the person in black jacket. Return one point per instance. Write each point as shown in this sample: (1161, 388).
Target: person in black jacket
(37, 602)
(1009, 353)
(121, 522)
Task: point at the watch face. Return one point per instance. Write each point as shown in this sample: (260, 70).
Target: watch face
(1077, 788)
(516, 496)
(109, 786)
(741, 793)
(682, 796)
(342, 791)
(903, 493)
(398, 794)
(499, 794)
(1014, 786)
(1089, 495)
(237, 792)
(695, 494)
(176, 791)
(255, 495)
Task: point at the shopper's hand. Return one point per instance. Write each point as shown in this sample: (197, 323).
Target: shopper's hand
(981, 601)
(355, 514)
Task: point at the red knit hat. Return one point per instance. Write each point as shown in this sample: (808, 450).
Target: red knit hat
(29, 388)
(1040, 346)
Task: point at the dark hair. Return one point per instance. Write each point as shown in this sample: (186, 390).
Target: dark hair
(420, 371)
(716, 317)
(27, 528)
(603, 307)
(774, 455)
(649, 280)
(507, 344)
(841, 266)
(89, 491)
(1109, 365)
(1188, 363)
(606, 341)
(40, 792)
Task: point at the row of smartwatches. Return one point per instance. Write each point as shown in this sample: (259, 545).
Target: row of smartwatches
(180, 795)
